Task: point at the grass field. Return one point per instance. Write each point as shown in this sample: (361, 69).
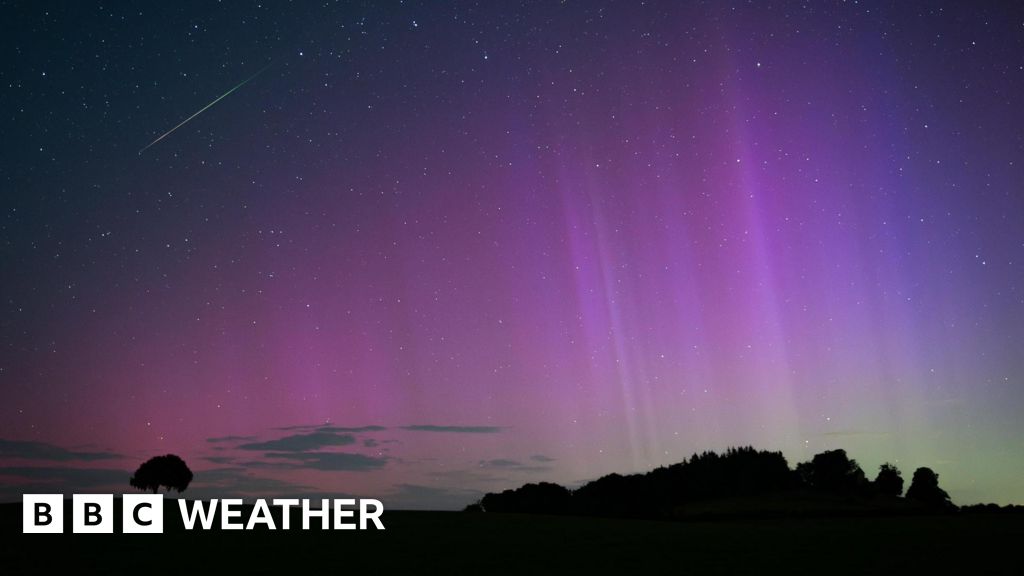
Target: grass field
(459, 543)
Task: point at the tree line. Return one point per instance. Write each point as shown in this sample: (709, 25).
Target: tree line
(829, 479)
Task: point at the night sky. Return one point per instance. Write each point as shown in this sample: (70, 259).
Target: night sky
(424, 251)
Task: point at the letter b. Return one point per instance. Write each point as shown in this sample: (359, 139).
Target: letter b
(43, 514)
(92, 514)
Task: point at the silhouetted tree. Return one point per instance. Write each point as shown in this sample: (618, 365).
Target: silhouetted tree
(543, 498)
(832, 470)
(727, 481)
(168, 471)
(615, 495)
(924, 488)
(738, 472)
(805, 474)
(889, 482)
(991, 508)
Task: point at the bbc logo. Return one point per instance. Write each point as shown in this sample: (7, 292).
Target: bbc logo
(92, 513)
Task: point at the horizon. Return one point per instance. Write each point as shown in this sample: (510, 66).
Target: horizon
(420, 253)
(210, 491)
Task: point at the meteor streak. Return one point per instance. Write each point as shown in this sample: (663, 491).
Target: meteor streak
(204, 108)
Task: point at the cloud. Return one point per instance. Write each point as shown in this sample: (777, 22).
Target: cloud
(332, 428)
(419, 497)
(50, 479)
(304, 450)
(517, 466)
(354, 430)
(490, 471)
(43, 451)
(82, 477)
(532, 469)
(317, 437)
(230, 439)
(500, 463)
(458, 429)
(221, 482)
(467, 477)
(329, 461)
(302, 442)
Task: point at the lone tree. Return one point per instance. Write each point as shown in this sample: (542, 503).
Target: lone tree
(924, 488)
(889, 482)
(168, 471)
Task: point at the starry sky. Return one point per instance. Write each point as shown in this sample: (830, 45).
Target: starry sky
(422, 251)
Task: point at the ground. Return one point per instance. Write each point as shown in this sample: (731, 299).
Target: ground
(463, 543)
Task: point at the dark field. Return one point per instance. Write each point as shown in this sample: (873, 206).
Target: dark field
(459, 543)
